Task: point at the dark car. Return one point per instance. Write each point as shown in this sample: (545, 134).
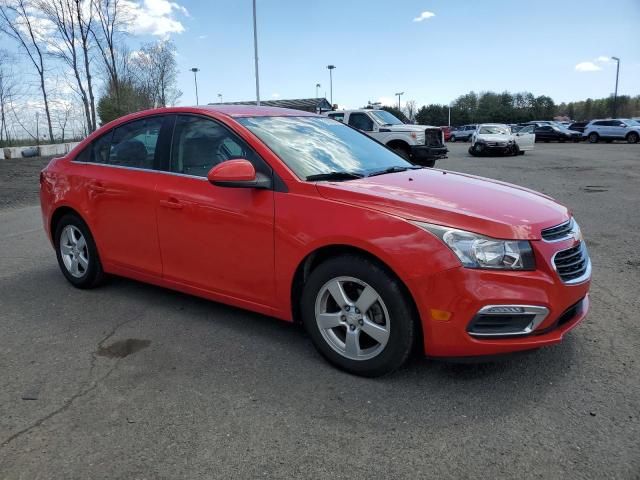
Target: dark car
(552, 133)
(578, 126)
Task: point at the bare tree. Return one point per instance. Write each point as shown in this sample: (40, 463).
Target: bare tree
(71, 45)
(156, 71)
(7, 92)
(62, 115)
(411, 108)
(109, 27)
(84, 17)
(17, 23)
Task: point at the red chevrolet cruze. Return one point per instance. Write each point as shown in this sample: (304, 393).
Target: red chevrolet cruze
(303, 218)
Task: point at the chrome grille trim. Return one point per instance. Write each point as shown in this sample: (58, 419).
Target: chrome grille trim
(573, 265)
(560, 232)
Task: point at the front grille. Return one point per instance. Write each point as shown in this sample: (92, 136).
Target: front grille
(497, 144)
(572, 264)
(433, 137)
(559, 232)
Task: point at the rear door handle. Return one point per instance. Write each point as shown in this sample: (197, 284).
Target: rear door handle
(171, 203)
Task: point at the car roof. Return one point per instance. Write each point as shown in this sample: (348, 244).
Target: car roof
(254, 111)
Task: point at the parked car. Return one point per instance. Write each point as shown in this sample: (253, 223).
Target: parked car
(297, 216)
(548, 133)
(497, 139)
(613, 129)
(420, 144)
(577, 126)
(462, 133)
(446, 132)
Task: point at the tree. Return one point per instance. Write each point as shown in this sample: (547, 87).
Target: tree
(410, 109)
(156, 71)
(17, 23)
(7, 92)
(129, 98)
(71, 45)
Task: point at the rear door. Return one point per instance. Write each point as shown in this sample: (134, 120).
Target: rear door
(120, 179)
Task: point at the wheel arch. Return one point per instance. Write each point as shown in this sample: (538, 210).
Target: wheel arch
(57, 215)
(320, 254)
(399, 143)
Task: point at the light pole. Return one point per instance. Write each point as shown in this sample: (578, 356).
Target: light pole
(331, 67)
(615, 94)
(255, 49)
(399, 94)
(317, 87)
(195, 80)
(220, 97)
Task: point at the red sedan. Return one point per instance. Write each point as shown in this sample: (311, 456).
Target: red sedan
(303, 218)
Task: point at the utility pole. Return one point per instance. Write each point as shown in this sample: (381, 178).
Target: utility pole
(220, 97)
(255, 48)
(317, 87)
(615, 95)
(399, 94)
(331, 67)
(195, 80)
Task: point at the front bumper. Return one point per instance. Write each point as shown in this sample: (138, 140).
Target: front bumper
(449, 302)
(424, 152)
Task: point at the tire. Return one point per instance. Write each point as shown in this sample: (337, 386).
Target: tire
(389, 316)
(522, 152)
(452, 139)
(402, 152)
(633, 137)
(77, 253)
(516, 150)
(593, 137)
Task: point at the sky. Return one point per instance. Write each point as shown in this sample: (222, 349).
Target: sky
(433, 51)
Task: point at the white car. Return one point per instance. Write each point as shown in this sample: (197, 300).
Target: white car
(419, 144)
(497, 139)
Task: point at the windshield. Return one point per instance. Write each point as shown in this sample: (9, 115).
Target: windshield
(385, 117)
(494, 130)
(630, 122)
(317, 145)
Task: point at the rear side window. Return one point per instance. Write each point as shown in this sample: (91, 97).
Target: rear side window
(337, 116)
(599, 124)
(134, 144)
(97, 151)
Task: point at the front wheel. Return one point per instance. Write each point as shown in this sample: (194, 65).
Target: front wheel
(358, 316)
(403, 153)
(77, 253)
(593, 137)
(452, 138)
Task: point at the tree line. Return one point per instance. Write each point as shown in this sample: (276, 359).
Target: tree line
(505, 107)
(85, 41)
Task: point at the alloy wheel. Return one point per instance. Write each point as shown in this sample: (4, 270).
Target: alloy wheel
(352, 318)
(74, 251)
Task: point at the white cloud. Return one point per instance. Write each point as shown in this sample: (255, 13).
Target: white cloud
(275, 95)
(603, 59)
(155, 17)
(587, 67)
(388, 101)
(426, 15)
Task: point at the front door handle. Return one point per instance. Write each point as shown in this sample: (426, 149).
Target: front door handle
(171, 203)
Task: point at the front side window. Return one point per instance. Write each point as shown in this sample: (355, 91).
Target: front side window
(318, 145)
(361, 121)
(337, 116)
(386, 118)
(527, 129)
(199, 144)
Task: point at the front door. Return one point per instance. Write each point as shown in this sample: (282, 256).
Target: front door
(218, 239)
(525, 138)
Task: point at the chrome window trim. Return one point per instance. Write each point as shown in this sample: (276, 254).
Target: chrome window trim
(139, 169)
(540, 314)
(585, 277)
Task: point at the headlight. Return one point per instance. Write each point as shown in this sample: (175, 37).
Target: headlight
(478, 251)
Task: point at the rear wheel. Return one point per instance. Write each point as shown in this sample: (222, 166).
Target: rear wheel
(358, 316)
(77, 253)
(452, 138)
(633, 137)
(593, 137)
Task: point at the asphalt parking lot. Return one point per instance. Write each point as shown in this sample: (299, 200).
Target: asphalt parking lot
(137, 382)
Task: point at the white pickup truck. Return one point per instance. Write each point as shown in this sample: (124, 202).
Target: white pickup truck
(420, 144)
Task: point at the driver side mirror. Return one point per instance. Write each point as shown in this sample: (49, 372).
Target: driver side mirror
(238, 173)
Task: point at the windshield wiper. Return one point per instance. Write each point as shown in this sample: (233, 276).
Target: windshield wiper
(394, 169)
(334, 176)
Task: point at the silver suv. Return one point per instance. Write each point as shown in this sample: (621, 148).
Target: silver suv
(612, 129)
(462, 133)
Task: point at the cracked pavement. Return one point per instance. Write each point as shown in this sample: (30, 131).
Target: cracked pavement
(196, 389)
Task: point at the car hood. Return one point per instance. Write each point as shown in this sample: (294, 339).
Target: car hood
(467, 202)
